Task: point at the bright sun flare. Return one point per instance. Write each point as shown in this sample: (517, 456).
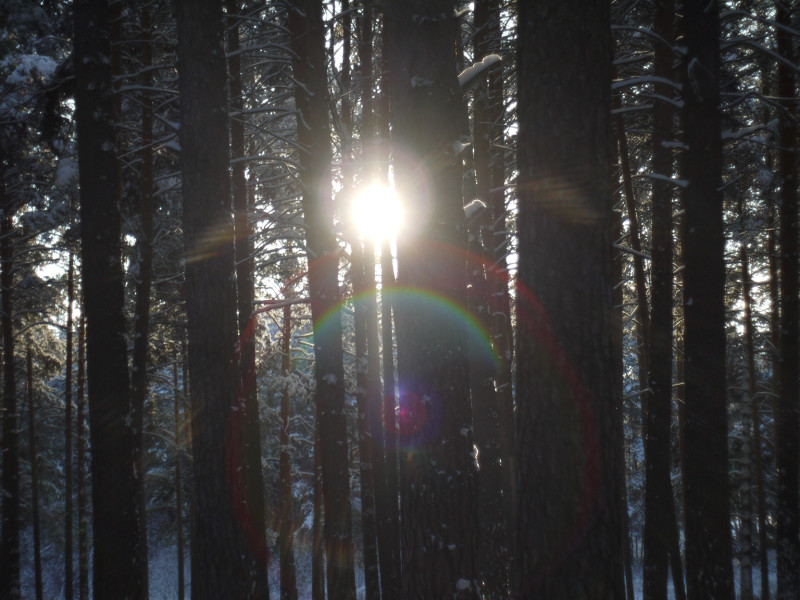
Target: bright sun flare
(377, 212)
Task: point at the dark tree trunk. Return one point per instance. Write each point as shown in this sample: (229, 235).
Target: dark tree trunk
(438, 490)
(787, 414)
(492, 489)
(243, 249)
(308, 68)
(285, 512)
(141, 317)
(381, 436)
(622, 488)
(224, 543)
(68, 479)
(706, 487)
(178, 477)
(83, 496)
(569, 530)
(660, 520)
(118, 572)
(750, 418)
(9, 553)
(37, 546)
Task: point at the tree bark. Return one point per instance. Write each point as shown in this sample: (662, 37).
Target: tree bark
(245, 264)
(83, 497)
(224, 542)
(308, 68)
(660, 521)
(118, 573)
(438, 490)
(178, 478)
(68, 479)
(141, 318)
(567, 427)
(285, 512)
(9, 552)
(787, 415)
(706, 487)
(37, 546)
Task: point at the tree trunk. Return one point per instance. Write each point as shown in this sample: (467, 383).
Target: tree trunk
(9, 553)
(567, 427)
(37, 547)
(68, 479)
(285, 512)
(750, 418)
(438, 490)
(245, 264)
(486, 404)
(311, 94)
(224, 544)
(83, 496)
(622, 488)
(706, 487)
(787, 414)
(660, 520)
(178, 478)
(118, 572)
(141, 318)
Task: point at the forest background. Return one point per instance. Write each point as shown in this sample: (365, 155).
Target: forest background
(419, 299)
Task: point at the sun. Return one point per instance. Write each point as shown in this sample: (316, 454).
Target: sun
(377, 212)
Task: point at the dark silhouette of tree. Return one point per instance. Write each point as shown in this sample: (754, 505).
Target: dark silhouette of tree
(438, 477)
(37, 544)
(245, 295)
(569, 531)
(787, 417)
(661, 529)
(224, 540)
(9, 565)
(313, 134)
(709, 570)
(117, 570)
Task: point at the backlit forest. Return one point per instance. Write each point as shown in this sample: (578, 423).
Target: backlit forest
(384, 299)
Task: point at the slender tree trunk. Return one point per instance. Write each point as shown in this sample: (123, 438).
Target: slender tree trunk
(660, 521)
(308, 68)
(178, 477)
(224, 542)
(69, 519)
(393, 583)
(141, 318)
(643, 323)
(245, 264)
(787, 416)
(706, 486)
(749, 420)
(9, 553)
(499, 280)
(389, 419)
(83, 496)
(622, 488)
(285, 512)
(366, 435)
(567, 427)
(381, 436)
(496, 557)
(37, 546)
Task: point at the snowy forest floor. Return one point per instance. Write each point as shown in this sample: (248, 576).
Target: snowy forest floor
(164, 560)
